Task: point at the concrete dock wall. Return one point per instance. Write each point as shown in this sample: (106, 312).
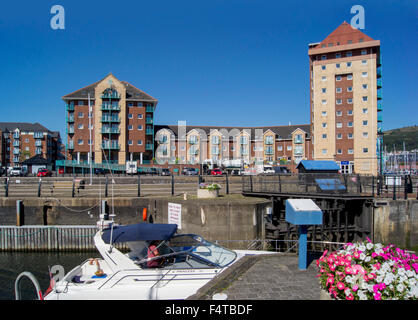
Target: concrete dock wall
(225, 218)
(396, 222)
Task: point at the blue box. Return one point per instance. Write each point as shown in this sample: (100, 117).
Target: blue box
(303, 212)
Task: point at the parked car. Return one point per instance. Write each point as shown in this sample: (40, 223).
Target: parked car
(18, 171)
(191, 172)
(216, 172)
(281, 169)
(268, 170)
(99, 171)
(236, 172)
(44, 173)
(2, 171)
(165, 172)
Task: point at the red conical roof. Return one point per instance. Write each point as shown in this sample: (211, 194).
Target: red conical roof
(343, 34)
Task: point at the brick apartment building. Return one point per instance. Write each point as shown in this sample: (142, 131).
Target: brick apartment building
(345, 99)
(121, 121)
(256, 145)
(20, 141)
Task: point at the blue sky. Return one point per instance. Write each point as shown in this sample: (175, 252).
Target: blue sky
(218, 62)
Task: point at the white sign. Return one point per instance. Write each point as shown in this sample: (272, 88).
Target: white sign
(174, 214)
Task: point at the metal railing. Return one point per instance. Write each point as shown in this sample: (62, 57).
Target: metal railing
(114, 185)
(383, 186)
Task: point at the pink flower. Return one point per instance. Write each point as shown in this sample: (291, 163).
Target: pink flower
(340, 286)
(376, 288)
(371, 276)
(377, 296)
(350, 297)
(355, 288)
(348, 270)
(356, 254)
(382, 286)
(330, 280)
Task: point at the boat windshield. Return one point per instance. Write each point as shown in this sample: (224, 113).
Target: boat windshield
(202, 249)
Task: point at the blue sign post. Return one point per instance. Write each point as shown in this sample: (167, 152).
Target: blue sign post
(303, 212)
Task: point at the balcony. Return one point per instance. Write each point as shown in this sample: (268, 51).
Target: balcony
(113, 95)
(379, 118)
(16, 151)
(379, 83)
(70, 106)
(148, 121)
(297, 140)
(192, 140)
(16, 143)
(149, 131)
(149, 109)
(110, 119)
(38, 151)
(109, 107)
(379, 96)
(149, 146)
(16, 135)
(113, 145)
(378, 73)
(70, 118)
(379, 107)
(70, 145)
(268, 141)
(269, 151)
(298, 151)
(38, 143)
(110, 130)
(71, 130)
(16, 159)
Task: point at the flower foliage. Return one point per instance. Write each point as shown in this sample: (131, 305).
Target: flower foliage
(211, 187)
(367, 271)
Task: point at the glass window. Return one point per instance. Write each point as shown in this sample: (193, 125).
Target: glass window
(339, 90)
(130, 127)
(130, 115)
(323, 67)
(364, 62)
(364, 122)
(350, 136)
(364, 86)
(350, 100)
(324, 90)
(350, 77)
(338, 55)
(349, 53)
(140, 127)
(140, 116)
(364, 51)
(339, 125)
(339, 113)
(338, 78)
(350, 151)
(364, 74)
(81, 115)
(350, 124)
(350, 112)
(337, 65)
(339, 135)
(348, 64)
(130, 142)
(365, 150)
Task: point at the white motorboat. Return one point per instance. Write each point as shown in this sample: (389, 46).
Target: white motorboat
(187, 262)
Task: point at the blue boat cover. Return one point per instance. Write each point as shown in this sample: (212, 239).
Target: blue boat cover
(330, 184)
(318, 165)
(140, 232)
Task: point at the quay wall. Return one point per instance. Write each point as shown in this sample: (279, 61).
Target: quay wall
(396, 222)
(227, 218)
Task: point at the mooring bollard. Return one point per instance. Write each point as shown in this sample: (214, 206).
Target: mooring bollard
(107, 181)
(20, 213)
(303, 212)
(7, 187)
(172, 185)
(227, 182)
(39, 187)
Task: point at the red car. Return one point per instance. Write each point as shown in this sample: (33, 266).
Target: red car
(44, 173)
(216, 172)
